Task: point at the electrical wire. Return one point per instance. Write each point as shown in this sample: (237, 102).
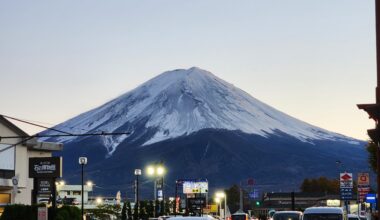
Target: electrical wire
(65, 134)
(34, 124)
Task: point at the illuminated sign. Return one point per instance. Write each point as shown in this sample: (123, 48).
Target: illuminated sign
(333, 202)
(190, 187)
(45, 167)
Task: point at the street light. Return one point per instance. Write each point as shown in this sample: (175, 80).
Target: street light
(217, 200)
(82, 162)
(223, 195)
(157, 171)
(99, 200)
(137, 174)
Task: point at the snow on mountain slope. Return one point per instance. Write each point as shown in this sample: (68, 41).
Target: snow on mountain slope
(182, 101)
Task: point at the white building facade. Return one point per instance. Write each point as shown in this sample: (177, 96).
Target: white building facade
(15, 184)
(74, 191)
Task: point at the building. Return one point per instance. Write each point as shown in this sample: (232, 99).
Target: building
(15, 184)
(283, 202)
(74, 191)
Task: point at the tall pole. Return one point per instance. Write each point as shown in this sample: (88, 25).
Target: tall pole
(241, 198)
(377, 14)
(163, 195)
(54, 200)
(225, 207)
(82, 162)
(374, 109)
(137, 196)
(175, 200)
(155, 197)
(137, 174)
(82, 206)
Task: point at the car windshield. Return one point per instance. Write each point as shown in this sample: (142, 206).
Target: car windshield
(322, 216)
(286, 216)
(353, 218)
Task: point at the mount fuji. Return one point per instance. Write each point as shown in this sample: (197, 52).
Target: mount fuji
(200, 126)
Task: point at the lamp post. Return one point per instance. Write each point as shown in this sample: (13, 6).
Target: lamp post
(217, 200)
(82, 162)
(137, 174)
(223, 195)
(157, 172)
(90, 186)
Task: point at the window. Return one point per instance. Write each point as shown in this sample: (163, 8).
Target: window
(7, 174)
(76, 193)
(4, 200)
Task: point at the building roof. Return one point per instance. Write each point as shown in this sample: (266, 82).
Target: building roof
(12, 126)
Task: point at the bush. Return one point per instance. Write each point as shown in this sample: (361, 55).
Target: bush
(19, 212)
(68, 212)
(27, 212)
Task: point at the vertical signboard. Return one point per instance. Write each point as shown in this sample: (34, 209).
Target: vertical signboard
(42, 213)
(363, 186)
(346, 186)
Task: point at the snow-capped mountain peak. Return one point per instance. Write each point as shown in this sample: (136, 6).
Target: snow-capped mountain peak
(184, 101)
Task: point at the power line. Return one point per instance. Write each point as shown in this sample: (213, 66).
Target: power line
(34, 124)
(65, 134)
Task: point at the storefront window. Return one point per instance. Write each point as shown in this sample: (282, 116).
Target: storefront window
(4, 200)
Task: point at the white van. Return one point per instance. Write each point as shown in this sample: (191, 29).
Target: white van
(287, 215)
(323, 213)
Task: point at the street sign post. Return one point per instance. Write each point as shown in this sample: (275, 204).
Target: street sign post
(346, 186)
(363, 186)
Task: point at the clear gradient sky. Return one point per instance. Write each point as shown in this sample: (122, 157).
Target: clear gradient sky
(312, 59)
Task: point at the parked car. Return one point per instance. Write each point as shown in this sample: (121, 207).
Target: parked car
(239, 215)
(70, 201)
(206, 217)
(287, 215)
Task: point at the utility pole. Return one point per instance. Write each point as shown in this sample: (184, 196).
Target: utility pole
(241, 198)
(374, 109)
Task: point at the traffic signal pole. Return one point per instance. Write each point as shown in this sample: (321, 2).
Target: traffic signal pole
(374, 109)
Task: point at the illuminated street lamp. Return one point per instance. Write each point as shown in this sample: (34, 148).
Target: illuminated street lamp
(137, 174)
(99, 200)
(222, 195)
(217, 200)
(82, 162)
(157, 172)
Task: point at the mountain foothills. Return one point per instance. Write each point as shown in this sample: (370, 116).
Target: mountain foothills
(200, 126)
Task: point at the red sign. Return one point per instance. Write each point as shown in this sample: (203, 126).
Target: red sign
(345, 176)
(42, 213)
(363, 179)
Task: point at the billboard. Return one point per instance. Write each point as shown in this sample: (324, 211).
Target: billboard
(7, 157)
(45, 167)
(190, 187)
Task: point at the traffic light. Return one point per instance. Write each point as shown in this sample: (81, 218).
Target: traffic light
(257, 203)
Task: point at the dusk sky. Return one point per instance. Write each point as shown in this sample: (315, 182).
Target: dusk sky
(314, 60)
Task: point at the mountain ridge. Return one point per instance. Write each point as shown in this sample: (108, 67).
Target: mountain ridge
(200, 126)
(183, 101)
